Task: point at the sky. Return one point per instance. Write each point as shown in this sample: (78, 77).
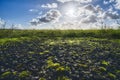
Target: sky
(59, 14)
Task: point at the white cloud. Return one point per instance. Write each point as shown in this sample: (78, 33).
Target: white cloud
(67, 25)
(40, 12)
(112, 1)
(50, 16)
(15, 26)
(74, 14)
(18, 26)
(90, 14)
(108, 1)
(63, 1)
(81, 1)
(33, 10)
(105, 2)
(98, 9)
(117, 5)
(112, 15)
(96, 13)
(90, 7)
(2, 23)
(75, 25)
(89, 19)
(53, 5)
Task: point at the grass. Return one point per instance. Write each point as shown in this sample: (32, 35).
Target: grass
(7, 35)
(60, 33)
(59, 54)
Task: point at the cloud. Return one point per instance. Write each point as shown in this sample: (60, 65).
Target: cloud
(53, 5)
(105, 2)
(33, 10)
(108, 1)
(18, 26)
(93, 9)
(90, 14)
(63, 1)
(51, 16)
(67, 25)
(75, 25)
(96, 13)
(112, 15)
(40, 12)
(117, 5)
(74, 14)
(98, 9)
(2, 23)
(81, 1)
(90, 7)
(89, 19)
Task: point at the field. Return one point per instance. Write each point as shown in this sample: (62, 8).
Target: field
(59, 54)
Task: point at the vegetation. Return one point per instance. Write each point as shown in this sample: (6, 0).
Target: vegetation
(105, 33)
(60, 55)
(24, 74)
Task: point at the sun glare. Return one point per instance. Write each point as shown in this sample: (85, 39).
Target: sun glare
(70, 12)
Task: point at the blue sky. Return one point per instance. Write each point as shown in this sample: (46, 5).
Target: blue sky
(17, 11)
(59, 13)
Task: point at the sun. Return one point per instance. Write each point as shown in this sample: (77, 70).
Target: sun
(69, 10)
